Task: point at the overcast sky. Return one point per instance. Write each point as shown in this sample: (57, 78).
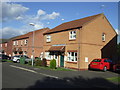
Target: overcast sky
(17, 16)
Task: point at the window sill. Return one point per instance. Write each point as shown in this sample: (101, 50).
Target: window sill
(103, 41)
(47, 42)
(72, 39)
(71, 62)
(25, 44)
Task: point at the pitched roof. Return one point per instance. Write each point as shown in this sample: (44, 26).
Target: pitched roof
(3, 40)
(72, 24)
(28, 34)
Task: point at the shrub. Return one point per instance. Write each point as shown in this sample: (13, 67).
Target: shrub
(36, 58)
(30, 63)
(38, 62)
(53, 64)
(44, 62)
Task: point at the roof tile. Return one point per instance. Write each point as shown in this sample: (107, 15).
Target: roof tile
(72, 24)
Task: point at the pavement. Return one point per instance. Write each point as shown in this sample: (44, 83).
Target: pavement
(15, 75)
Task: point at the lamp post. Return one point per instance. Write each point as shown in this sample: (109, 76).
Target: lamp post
(32, 24)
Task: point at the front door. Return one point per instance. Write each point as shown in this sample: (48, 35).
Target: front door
(61, 60)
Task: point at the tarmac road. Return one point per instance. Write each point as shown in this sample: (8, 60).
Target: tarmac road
(20, 76)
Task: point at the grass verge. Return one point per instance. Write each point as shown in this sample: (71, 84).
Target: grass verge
(57, 69)
(5, 60)
(48, 68)
(114, 79)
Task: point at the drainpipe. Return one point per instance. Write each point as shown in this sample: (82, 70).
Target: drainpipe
(79, 48)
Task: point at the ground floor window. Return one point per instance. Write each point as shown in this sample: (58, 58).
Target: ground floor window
(50, 56)
(72, 56)
(25, 53)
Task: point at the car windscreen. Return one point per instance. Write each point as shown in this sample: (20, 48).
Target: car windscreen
(96, 60)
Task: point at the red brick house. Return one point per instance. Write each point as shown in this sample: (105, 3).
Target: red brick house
(76, 43)
(23, 44)
(3, 48)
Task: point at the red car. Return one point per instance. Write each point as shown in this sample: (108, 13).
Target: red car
(116, 67)
(101, 64)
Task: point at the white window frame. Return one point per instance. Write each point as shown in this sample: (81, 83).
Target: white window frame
(26, 41)
(48, 38)
(21, 42)
(72, 58)
(103, 37)
(55, 57)
(72, 35)
(14, 42)
(5, 44)
(47, 55)
(1, 45)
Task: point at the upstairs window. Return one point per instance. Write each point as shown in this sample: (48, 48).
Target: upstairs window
(14, 42)
(48, 38)
(72, 35)
(5, 44)
(26, 41)
(103, 37)
(21, 42)
(1, 45)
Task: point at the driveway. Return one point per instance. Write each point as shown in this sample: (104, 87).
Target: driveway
(21, 76)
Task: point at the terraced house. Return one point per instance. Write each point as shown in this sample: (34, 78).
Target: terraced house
(74, 44)
(3, 48)
(24, 44)
(6, 46)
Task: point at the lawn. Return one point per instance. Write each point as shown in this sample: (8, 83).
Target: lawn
(114, 79)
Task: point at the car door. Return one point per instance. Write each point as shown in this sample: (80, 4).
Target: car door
(110, 64)
(107, 63)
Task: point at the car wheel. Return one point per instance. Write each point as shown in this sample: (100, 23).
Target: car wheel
(105, 69)
(14, 61)
(18, 61)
